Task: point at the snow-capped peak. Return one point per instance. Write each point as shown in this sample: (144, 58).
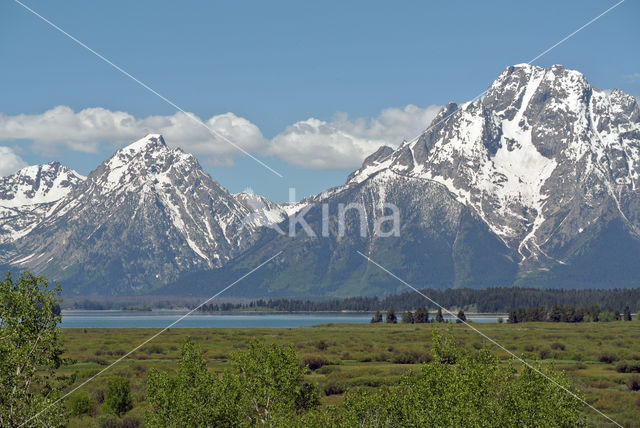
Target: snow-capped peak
(145, 159)
(506, 154)
(38, 184)
(149, 141)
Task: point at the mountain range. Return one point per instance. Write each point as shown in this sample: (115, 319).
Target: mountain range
(535, 183)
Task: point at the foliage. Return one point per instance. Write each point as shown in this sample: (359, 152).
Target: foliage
(633, 383)
(264, 386)
(421, 315)
(439, 317)
(407, 317)
(193, 397)
(391, 316)
(608, 357)
(314, 362)
(377, 317)
(30, 350)
(117, 396)
(461, 316)
(464, 389)
(494, 299)
(79, 403)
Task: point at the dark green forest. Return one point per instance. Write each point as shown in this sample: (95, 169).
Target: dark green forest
(500, 299)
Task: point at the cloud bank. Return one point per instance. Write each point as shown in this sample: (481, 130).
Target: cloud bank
(10, 162)
(341, 143)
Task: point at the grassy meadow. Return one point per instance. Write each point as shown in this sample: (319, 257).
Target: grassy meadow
(593, 356)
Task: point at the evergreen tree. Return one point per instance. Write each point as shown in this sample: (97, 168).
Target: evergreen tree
(377, 317)
(556, 314)
(513, 317)
(569, 314)
(627, 314)
(391, 316)
(421, 315)
(461, 316)
(439, 317)
(407, 317)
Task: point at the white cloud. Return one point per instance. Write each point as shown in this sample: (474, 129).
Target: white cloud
(344, 143)
(10, 162)
(341, 143)
(633, 77)
(84, 131)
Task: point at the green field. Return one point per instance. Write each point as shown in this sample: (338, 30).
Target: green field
(373, 355)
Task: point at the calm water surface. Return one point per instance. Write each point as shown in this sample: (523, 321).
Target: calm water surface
(159, 319)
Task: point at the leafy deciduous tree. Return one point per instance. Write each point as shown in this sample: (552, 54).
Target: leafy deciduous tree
(30, 349)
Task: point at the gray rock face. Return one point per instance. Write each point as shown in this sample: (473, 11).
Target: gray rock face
(542, 158)
(29, 194)
(535, 183)
(142, 217)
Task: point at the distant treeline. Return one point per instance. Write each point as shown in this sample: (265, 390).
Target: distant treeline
(501, 299)
(560, 313)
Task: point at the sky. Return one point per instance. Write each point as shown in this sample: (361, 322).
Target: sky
(308, 88)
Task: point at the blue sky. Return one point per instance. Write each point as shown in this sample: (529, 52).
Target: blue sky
(274, 65)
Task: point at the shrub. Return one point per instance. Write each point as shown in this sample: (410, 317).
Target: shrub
(529, 348)
(117, 397)
(322, 345)
(411, 358)
(333, 388)
(628, 367)
(314, 362)
(633, 383)
(79, 403)
(608, 357)
(380, 357)
(154, 349)
(97, 360)
(98, 396)
(324, 370)
(558, 346)
(111, 421)
(544, 353)
(308, 396)
(130, 422)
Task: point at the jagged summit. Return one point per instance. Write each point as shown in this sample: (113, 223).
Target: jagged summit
(27, 195)
(539, 138)
(147, 142)
(143, 216)
(37, 184)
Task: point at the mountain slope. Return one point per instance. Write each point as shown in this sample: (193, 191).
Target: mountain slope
(540, 181)
(28, 195)
(545, 159)
(535, 183)
(139, 219)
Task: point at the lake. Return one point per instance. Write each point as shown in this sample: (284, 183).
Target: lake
(161, 319)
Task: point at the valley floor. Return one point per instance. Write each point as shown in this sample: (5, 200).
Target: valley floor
(343, 356)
